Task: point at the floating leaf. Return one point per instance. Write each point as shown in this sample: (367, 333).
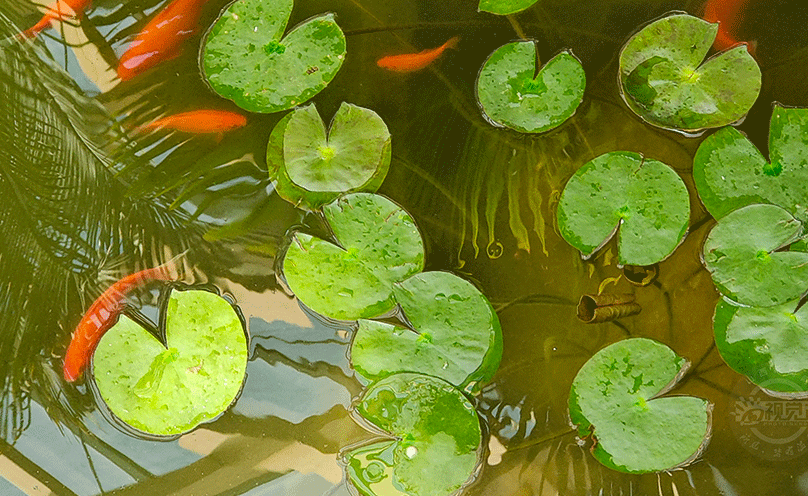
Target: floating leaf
(504, 7)
(740, 253)
(437, 438)
(615, 397)
(455, 333)
(379, 245)
(511, 94)
(730, 172)
(246, 58)
(169, 391)
(643, 200)
(665, 80)
(312, 169)
(769, 345)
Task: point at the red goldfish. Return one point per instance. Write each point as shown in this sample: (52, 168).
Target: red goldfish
(102, 315)
(410, 62)
(162, 38)
(728, 13)
(200, 122)
(56, 10)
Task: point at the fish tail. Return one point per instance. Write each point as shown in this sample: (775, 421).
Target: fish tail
(452, 42)
(36, 28)
(172, 269)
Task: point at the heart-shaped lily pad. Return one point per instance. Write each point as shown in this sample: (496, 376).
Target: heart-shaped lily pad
(730, 172)
(643, 200)
(312, 169)
(169, 391)
(511, 94)
(245, 57)
(740, 253)
(667, 83)
(504, 7)
(455, 333)
(379, 245)
(615, 398)
(769, 345)
(437, 438)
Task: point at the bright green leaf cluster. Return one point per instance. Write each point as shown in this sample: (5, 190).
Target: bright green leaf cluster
(666, 82)
(312, 168)
(247, 59)
(167, 391)
(644, 201)
(615, 399)
(753, 252)
(448, 339)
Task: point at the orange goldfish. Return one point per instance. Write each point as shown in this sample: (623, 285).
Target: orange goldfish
(102, 315)
(411, 62)
(57, 10)
(199, 122)
(728, 13)
(162, 38)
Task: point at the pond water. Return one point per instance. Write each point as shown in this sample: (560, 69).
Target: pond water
(88, 200)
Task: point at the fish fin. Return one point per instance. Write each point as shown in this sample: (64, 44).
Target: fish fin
(452, 42)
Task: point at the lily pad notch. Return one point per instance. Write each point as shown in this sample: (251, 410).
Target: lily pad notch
(643, 201)
(166, 390)
(246, 57)
(513, 92)
(665, 80)
(312, 166)
(616, 398)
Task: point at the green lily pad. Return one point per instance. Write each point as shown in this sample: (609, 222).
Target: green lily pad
(667, 83)
(513, 95)
(769, 345)
(730, 172)
(379, 245)
(170, 391)
(313, 169)
(246, 58)
(615, 398)
(504, 7)
(642, 200)
(740, 253)
(455, 333)
(437, 438)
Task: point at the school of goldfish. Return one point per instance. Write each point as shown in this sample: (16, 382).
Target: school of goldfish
(162, 39)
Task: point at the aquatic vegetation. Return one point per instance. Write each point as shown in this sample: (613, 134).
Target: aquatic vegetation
(379, 245)
(743, 253)
(512, 93)
(615, 398)
(767, 344)
(505, 7)
(643, 201)
(170, 389)
(667, 83)
(452, 333)
(436, 438)
(730, 172)
(312, 168)
(246, 57)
